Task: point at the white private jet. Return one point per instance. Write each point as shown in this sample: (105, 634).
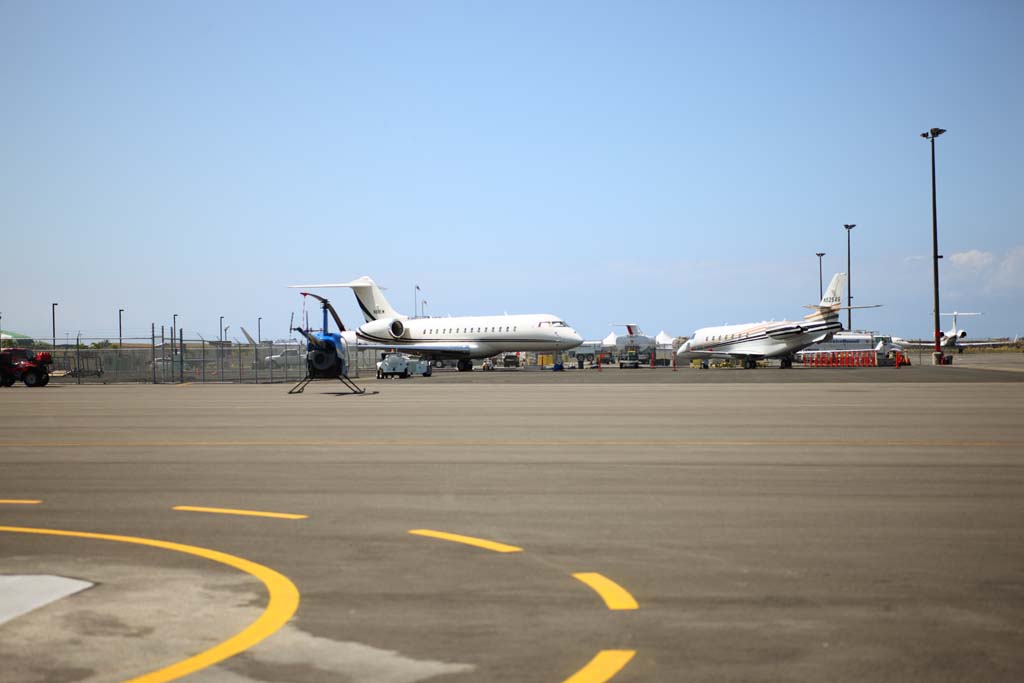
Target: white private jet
(462, 338)
(951, 339)
(751, 342)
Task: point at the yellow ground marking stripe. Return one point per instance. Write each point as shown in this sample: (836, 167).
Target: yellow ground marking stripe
(281, 605)
(468, 540)
(404, 443)
(602, 667)
(230, 511)
(615, 596)
(13, 501)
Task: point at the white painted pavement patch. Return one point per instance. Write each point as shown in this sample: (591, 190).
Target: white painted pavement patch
(22, 593)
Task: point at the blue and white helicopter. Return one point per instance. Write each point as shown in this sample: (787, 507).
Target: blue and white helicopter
(326, 356)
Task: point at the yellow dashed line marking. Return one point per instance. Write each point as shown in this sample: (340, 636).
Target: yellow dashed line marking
(467, 540)
(13, 501)
(281, 605)
(230, 511)
(615, 596)
(602, 667)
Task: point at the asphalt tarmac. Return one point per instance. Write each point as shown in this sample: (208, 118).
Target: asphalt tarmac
(721, 525)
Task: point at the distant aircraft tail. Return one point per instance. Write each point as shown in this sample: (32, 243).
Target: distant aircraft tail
(369, 296)
(248, 336)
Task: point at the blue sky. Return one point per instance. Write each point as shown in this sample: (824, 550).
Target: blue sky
(672, 164)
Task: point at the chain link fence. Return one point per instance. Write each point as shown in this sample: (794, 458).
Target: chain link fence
(152, 360)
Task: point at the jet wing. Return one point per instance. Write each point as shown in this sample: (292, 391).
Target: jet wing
(784, 331)
(703, 354)
(447, 349)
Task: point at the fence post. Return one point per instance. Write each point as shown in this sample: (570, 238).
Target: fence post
(256, 361)
(152, 348)
(271, 357)
(202, 357)
(181, 352)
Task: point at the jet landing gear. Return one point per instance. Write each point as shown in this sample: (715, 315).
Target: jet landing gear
(465, 365)
(785, 363)
(749, 364)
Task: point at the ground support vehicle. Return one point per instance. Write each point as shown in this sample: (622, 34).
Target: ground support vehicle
(400, 365)
(24, 365)
(630, 357)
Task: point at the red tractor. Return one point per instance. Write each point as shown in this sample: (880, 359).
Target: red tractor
(26, 365)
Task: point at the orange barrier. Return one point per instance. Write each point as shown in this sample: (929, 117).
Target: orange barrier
(841, 359)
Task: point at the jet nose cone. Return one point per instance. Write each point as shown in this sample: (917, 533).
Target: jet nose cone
(573, 338)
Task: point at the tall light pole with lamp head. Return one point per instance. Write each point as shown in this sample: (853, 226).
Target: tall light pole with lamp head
(120, 329)
(821, 292)
(937, 354)
(849, 278)
(174, 333)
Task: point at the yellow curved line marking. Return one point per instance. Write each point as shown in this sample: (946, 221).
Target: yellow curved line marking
(13, 501)
(602, 667)
(281, 605)
(232, 511)
(615, 596)
(468, 540)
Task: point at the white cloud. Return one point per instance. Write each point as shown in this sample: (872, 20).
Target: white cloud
(973, 259)
(1009, 272)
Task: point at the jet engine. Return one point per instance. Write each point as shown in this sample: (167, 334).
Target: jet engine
(384, 328)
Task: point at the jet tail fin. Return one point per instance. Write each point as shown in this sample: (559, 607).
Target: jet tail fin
(831, 300)
(369, 296)
(248, 336)
(834, 294)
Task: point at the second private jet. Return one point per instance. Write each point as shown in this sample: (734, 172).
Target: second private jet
(751, 342)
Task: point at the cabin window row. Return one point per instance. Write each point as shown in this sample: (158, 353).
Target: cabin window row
(470, 330)
(725, 337)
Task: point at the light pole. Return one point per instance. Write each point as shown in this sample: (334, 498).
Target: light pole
(821, 292)
(415, 298)
(259, 337)
(174, 333)
(53, 322)
(937, 355)
(120, 328)
(849, 278)
(423, 308)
